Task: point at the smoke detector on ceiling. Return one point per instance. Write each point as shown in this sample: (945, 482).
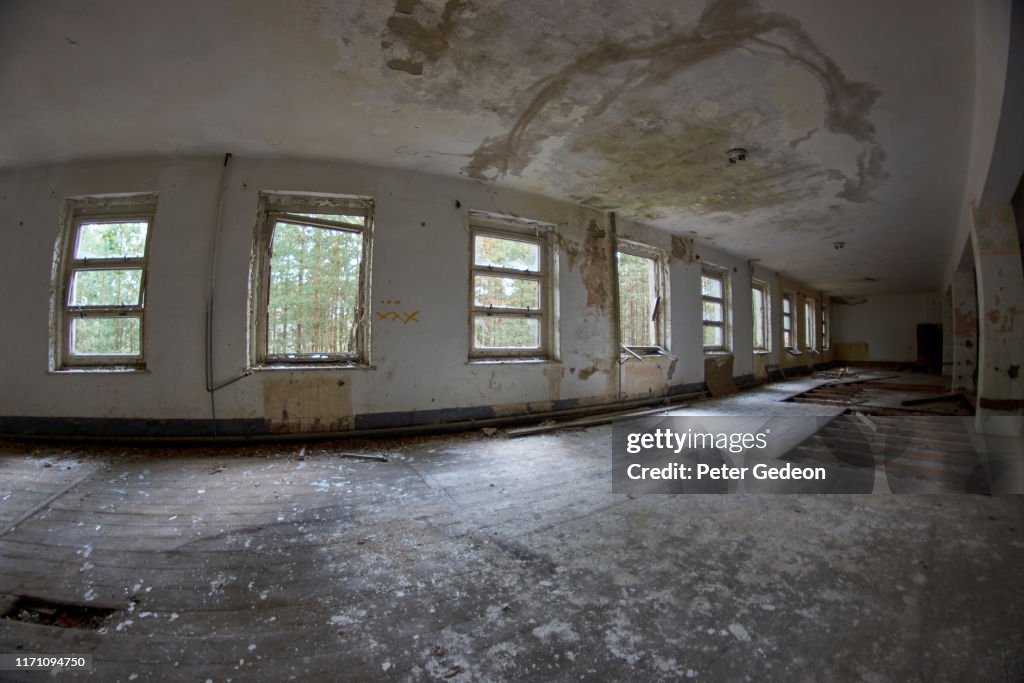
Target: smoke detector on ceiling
(736, 154)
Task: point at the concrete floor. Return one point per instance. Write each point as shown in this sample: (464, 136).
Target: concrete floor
(469, 558)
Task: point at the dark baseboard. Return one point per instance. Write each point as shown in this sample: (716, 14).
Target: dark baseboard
(442, 419)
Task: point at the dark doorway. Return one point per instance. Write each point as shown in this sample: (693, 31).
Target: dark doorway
(929, 347)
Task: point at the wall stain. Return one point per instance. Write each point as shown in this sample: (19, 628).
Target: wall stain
(425, 38)
(595, 266)
(724, 26)
(682, 249)
(311, 404)
(554, 374)
(587, 373)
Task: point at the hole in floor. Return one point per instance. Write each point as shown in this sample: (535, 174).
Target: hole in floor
(47, 613)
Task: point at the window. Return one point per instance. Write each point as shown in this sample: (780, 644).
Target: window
(643, 306)
(100, 282)
(714, 288)
(788, 340)
(810, 327)
(510, 305)
(760, 298)
(311, 279)
(826, 340)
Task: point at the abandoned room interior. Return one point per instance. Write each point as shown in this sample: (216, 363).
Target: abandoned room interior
(324, 322)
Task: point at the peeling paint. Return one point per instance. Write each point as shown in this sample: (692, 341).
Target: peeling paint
(308, 404)
(682, 249)
(586, 373)
(723, 27)
(595, 267)
(423, 32)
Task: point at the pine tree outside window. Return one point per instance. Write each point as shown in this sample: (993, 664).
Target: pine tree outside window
(311, 280)
(511, 289)
(643, 298)
(100, 268)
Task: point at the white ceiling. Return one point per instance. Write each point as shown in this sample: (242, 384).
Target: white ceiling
(856, 115)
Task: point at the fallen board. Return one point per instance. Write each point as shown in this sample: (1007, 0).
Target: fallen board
(593, 420)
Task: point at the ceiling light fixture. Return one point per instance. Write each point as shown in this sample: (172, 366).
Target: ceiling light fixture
(838, 245)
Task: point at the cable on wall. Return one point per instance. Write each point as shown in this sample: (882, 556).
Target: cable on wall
(211, 388)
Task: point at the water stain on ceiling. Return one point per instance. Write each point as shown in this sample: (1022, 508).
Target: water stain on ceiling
(623, 106)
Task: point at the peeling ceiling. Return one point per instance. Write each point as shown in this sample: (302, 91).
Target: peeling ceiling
(855, 116)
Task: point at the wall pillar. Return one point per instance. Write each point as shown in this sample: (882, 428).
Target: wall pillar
(965, 332)
(1000, 282)
(948, 340)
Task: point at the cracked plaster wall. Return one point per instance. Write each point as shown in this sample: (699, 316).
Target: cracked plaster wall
(420, 257)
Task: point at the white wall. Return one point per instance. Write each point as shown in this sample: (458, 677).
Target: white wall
(886, 323)
(420, 257)
(992, 22)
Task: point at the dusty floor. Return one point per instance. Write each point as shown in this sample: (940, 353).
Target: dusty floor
(467, 558)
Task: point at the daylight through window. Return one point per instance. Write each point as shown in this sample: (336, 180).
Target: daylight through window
(508, 294)
(714, 295)
(761, 309)
(312, 286)
(100, 319)
(642, 304)
(810, 326)
(787, 321)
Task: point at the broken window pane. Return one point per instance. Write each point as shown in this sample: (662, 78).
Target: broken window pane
(106, 287)
(506, 292)
(121, 336)
(506, 253)
(112, 240)
(314, 290)
(502, 332)
(637, 294)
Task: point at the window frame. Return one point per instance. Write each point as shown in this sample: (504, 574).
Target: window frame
(519, 230)
(810, 324)
(826, 341)
(273, 207)
(790, 298)
(662, 326)
(76, 212)
(722, 274)
(766, 315)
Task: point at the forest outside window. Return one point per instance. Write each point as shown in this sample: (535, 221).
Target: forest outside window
(510, 306)
(714, 287)
(100, 283)
(760, 298)
(311, 280)
(643, 304)
(788, 307)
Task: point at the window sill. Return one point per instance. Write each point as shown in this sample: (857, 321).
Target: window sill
(277, 367)
(512, 361)
(111, 370)
(717, 353)
(763, 353)
(794, 352)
